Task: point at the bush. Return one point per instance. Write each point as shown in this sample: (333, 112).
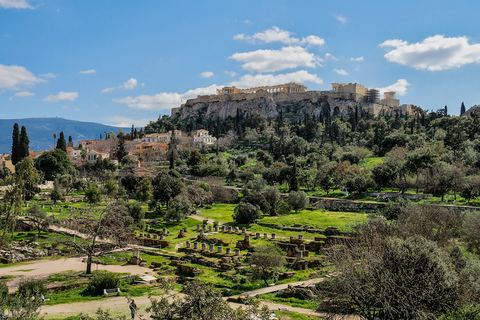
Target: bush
(32, 287)
(102, 280)
(246, 213)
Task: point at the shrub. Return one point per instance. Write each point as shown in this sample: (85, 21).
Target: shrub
(102, 280)
(246, 213)
(32, 287)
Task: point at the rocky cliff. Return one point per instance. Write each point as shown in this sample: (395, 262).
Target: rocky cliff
(269, 105)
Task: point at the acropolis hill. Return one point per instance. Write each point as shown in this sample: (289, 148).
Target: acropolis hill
(294, 98)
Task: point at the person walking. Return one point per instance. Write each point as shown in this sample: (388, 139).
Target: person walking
(133, 308)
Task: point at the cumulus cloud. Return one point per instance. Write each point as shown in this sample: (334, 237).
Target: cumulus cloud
(22, 94)
(269, 79)
(70, 96)
(290, 57)
(16, 77)
(400, 87)
(341, 18)
(129, 84)
(357, 59)
(124, 122)
(17, 4)
(275, 34)
(231, 73)
(88, 71)
(433, 53)
(207, 74)
(48, 75)
(164, 100)
(341, 72)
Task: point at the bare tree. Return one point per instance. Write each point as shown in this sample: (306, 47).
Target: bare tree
(100, 232)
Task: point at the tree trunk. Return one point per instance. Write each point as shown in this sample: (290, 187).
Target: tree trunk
(89, 264)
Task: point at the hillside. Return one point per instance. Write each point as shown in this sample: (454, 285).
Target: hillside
(40, 131)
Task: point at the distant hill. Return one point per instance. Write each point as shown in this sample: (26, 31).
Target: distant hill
(40, 131)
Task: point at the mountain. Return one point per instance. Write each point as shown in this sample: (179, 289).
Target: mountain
(40, 131)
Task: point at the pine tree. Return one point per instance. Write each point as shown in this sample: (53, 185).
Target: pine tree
(23, 146)
(62, 143)
(15, 144)
(462, 109)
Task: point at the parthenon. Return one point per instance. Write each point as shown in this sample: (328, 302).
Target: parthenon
(286, 88)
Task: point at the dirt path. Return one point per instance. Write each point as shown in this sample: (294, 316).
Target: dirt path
(281, 287)
(119, 306)
(200, 218)
(44, 268)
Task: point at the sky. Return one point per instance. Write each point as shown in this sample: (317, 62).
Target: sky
(121, 62)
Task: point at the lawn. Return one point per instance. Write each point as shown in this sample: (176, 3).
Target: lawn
(318, 219)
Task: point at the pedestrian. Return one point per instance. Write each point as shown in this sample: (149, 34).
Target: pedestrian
(133, 308)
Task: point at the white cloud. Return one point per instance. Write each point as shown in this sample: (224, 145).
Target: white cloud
(275, 60)
(207, 74)
(70, 96)
(88, 71)
(400, 87)
(18, 4)
(341, 72)
(330, 56)
(357, 59)
(268, 79)
(124, 122)
(48, 75)
(65, 107)
(107, 90)
(275, 34)
(341, 18)
(129, 84)
(16, 77)
(22, 94)
(231, 73)
(433, 53)
(164, 100)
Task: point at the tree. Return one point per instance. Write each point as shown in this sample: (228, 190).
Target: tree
(136, 212)
(268, 261)
(23, 150)
(179, 208)
(15, 144)
(402, 279)
(167, 185)
(246, 213)
(53, 163)
(121, 152)
(56, 194)
(469, 231)
(272, 197)
(298, 200)
(93, 194)
(24, 305)
(462, 109)
(29, 176)
(144, 191)
(38, 217)
(102, 231)
(61, 142)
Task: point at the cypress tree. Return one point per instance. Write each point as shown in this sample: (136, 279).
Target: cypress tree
(15, 144)
(61, 142)
(294, 177)
(23, 146)
(462, 109)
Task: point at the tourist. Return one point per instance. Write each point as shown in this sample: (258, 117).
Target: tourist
(133, 308)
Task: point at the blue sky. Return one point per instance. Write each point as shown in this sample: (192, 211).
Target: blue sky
(122, 62)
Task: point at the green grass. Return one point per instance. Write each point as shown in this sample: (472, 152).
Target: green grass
(318, 219)
(220, 212)
(370, 163)
(294, 302)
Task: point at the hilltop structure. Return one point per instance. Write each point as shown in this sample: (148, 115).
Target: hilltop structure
(343, 99)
